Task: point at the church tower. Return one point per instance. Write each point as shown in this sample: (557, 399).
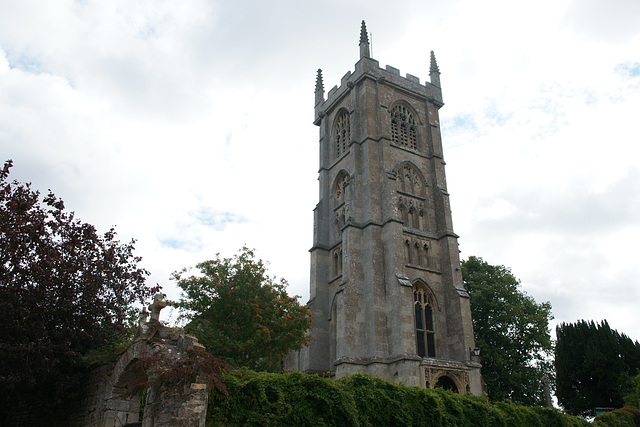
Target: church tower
(386, 284)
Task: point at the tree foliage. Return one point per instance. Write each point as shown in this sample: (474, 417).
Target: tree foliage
(240, 313)
(64, 290)
(512, 331)
(297, 399)
(594, 366)
(633, 396)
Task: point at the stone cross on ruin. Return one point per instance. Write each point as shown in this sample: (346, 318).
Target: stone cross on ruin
(143, 316)
(158, 304)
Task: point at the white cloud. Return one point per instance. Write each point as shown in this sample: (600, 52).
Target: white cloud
(188, 124)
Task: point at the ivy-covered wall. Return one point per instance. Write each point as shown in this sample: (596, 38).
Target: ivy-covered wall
(361, 400)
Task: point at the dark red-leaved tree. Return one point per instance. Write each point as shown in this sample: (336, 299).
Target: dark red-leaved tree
(64, 290)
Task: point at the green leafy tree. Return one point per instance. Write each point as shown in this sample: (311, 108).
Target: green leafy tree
(633, 397)
(512, 331)
(65, 290)
(594, 366)
(240, 313)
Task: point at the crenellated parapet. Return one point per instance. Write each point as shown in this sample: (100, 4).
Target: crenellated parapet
(368, 68)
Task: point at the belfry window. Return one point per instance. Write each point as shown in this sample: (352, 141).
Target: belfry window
(403, 127)
(342, 133)
(425, 332)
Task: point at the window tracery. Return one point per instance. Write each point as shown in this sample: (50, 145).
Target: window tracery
(404, 131)
(411, 215)
(411, 181)
(340, 204)
(342, 133)
(425, 330)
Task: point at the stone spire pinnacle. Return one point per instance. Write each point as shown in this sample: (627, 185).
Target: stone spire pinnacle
(434, 65)
(319, 88)
(364, 42)
(434, 71)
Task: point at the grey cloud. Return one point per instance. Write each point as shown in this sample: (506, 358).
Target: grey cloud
(612, 20)
(567, 208)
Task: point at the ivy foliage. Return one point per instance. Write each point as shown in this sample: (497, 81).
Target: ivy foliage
(512, 331)
(240, 313)
(297, 399)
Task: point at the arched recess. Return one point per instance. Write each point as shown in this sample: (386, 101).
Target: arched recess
(410, 179)
(421, 283)
(340, 202)
(404, 126)
(339, 187)
(447, 383)
(341, 133)
(120, 407)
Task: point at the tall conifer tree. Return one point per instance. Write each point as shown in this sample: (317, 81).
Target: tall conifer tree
(594, 366)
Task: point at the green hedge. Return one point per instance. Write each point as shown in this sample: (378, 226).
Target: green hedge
(629, 416)
(296, 399)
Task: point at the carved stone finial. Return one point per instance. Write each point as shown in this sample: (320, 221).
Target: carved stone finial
(319, 88)
(364, 42)
(319, 83)
(144, 316)
(158, 304)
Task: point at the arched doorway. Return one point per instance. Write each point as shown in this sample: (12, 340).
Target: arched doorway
(447, 383)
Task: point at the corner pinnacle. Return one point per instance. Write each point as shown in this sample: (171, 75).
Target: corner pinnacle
(433, 68)
(319, 88)
(434, 71)
(364, 42)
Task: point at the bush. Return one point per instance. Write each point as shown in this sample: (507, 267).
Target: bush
(623, 417)
(298, 399)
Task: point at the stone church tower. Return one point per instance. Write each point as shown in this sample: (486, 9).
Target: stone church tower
(386, 285)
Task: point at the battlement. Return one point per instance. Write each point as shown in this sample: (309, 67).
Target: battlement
(368, 68)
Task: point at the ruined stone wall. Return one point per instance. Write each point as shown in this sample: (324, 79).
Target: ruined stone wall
(105, 400)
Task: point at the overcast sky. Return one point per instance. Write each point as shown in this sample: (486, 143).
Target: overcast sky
(188, 124)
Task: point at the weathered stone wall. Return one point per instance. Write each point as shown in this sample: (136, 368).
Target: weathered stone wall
(383, 232)
(174, 407)
(105, 401)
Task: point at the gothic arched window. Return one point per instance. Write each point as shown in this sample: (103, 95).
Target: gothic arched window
(341, 133)
(404, 131)
(425, 331)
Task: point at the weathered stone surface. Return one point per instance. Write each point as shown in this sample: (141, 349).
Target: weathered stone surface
(107, 403)
(383, 235)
